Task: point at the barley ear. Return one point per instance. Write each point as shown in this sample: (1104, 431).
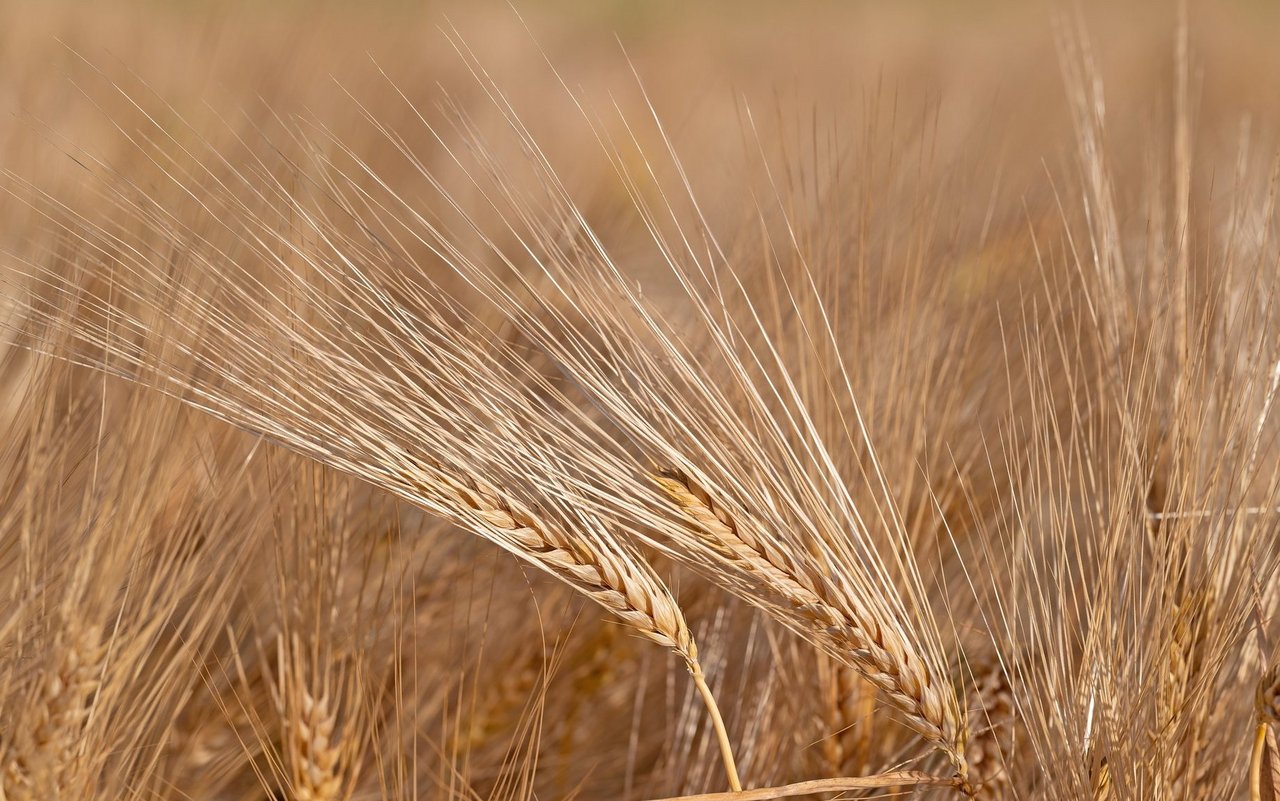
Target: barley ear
(594, 565)
(41, 761)
(864, 642)
(312, 737)
(989, 745)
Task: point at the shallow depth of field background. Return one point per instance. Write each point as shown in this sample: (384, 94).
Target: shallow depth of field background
(946, 124)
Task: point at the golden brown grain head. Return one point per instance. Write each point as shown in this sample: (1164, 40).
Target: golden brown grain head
(860, 639)
(43, 758)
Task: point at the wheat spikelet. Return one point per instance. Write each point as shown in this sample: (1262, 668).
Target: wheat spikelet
(313, 741)
(42, 758)
(885, 658)
(608, 579)
(618, 582)
(315, 755)
(990, 742)
(1181, 704)
(849, 705)
(1185, 650)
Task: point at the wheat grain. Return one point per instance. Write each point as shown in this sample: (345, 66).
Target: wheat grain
(314, 744)
(42, 759)
(849, 704)
(608, 579)
(991, 741)
(315, 752)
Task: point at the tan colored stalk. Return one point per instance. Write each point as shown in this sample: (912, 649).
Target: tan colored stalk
(609, 577)
(905, 778)
(882, 657)
(1182, 194)
(1267, 706)
(41, 760)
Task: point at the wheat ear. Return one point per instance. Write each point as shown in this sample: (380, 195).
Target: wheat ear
(607, 575)
(849, 704)
(313, 741)
(1100, 782)
(41, 758)
(884, 658)
(989, 744)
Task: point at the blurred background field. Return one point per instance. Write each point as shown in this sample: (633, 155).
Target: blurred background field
(929, 158)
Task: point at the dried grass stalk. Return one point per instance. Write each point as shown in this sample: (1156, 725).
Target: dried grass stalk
(1267, 706)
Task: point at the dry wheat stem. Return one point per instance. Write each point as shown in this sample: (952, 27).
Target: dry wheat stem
(1255, 761)
(886, 660)
(1267, 707)
(905, 778)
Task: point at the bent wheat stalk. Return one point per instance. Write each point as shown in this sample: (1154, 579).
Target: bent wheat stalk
(905, 778)
(1267, 705)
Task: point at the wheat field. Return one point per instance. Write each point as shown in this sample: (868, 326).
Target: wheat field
(487, 401)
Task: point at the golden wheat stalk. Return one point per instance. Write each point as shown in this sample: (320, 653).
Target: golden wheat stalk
(1267, 709)
(905, 778)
